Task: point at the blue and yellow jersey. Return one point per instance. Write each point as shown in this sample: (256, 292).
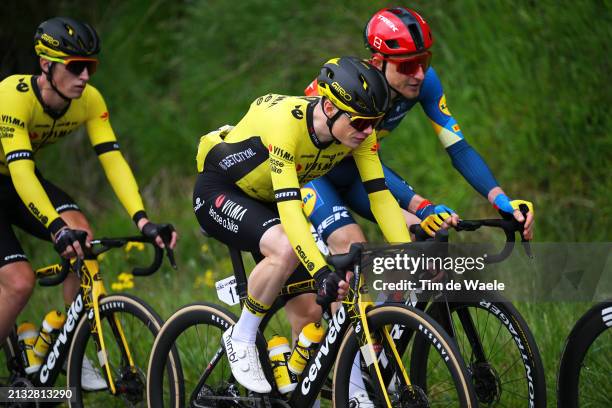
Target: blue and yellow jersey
(273, 151)
(26, 127)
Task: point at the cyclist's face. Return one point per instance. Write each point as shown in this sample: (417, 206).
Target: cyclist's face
(346, 133)
(69, 83)
(408, 84)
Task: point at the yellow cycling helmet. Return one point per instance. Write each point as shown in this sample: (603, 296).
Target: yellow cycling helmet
(354, 86)
(62, 37)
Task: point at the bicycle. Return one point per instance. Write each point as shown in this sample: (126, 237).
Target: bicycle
(357, 323)
(584, 372)
(483, 328)
(92, 315)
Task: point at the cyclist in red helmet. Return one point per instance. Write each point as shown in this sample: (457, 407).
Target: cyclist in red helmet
(400, 41)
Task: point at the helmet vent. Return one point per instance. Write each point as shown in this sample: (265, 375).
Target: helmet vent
(360, 102)
(393, 44)
(415, 32)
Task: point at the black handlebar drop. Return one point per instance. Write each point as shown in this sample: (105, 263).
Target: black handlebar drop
(509, 225)
(99, 246)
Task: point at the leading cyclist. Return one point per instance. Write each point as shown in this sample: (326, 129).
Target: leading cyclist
(36, 111)
(247, 193)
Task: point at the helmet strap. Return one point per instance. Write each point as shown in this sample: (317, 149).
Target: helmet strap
(330, 123)
(384, 71)
(49, 76)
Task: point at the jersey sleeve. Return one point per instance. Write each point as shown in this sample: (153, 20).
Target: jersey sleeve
(115, 166)
(288, 198)
(15, 109)
(384, 207)
(463, 156)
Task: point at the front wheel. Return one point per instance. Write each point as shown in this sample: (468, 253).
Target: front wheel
(498, 348)
(452, 388)
(125, 320)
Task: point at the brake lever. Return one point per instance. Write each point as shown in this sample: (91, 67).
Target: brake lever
(525, 242)
(170, 255)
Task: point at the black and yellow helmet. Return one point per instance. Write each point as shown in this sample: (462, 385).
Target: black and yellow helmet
(61, 37)
(354, 86)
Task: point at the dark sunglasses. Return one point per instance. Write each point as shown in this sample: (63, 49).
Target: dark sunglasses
(77, 65)
(361, 123)
(410, 65)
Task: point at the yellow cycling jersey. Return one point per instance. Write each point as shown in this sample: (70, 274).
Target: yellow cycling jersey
(26, 126)
(273, 150)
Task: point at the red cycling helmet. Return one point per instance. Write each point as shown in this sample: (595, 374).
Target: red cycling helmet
(397, 31)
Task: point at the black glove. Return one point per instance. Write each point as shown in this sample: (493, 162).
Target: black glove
(327, 285)
(68, 237)
(152, 230)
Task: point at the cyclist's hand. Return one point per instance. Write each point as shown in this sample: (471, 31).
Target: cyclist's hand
(507, 206)
(163, 234)
(330, 287)
(67, 244)
(436, 217)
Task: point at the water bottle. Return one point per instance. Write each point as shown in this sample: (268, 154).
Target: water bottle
(310, 336)
(54, 320)
(279, 352)
(27, 334)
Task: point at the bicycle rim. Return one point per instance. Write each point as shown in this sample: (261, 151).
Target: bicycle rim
(498, 350)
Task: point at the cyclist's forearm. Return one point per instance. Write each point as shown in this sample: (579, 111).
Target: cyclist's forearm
(297, 230)
(34, 196)
(495, 191)
(472, 167)
(389, 217)
(123, 182)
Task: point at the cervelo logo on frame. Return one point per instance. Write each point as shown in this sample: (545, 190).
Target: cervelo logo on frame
(332, 335)
(73, 315)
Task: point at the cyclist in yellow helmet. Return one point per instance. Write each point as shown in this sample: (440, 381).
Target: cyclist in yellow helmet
(247, 193)
(36, 111)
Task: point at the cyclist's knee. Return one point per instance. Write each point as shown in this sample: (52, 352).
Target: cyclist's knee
(278, 249)
(17, 281)
(341, 239)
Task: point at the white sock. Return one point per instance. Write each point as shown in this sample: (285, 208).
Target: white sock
(356, 383)
(246, 327)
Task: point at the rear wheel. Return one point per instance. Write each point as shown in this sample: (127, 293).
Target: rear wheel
(195, 330)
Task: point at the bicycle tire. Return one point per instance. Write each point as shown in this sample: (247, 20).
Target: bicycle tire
(388, 315)
(581, 338)
(207, 314)
(134, 314)
(491, 389)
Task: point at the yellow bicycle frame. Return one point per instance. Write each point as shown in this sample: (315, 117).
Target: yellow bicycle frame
(93, 290)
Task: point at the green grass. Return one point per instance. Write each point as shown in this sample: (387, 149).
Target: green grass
(525, 80)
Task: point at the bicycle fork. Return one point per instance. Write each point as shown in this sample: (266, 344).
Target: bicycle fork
(93, 291)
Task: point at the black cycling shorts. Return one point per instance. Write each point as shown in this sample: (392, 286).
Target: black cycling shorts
(231, 216)
(14, 212)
